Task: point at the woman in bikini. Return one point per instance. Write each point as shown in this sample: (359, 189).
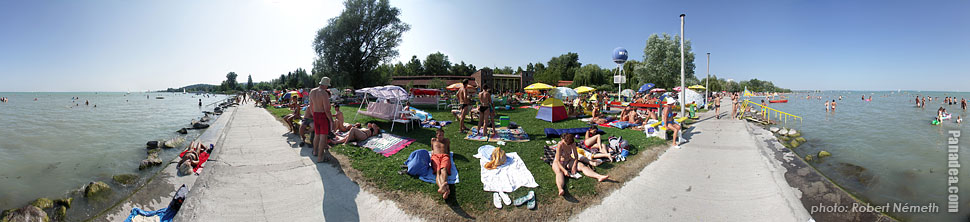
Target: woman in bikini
(594, 144)
(566, 163)
(356, 134)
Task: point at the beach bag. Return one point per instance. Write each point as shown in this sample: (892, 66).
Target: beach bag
(618, 143)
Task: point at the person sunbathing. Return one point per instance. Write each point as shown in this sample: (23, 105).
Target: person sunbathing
(338, 119)
(598, 149)
(441, 161)
(190, 160)
(566, 162)
(290, 118)
(355, 134)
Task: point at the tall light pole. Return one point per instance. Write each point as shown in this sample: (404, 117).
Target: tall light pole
(707, 84)
(683, 89)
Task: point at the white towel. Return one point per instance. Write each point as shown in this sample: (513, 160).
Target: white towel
(507, 177)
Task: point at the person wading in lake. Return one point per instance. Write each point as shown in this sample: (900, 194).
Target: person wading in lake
(320, 101)
(833, 105)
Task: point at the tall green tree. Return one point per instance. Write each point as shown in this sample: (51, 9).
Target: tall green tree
(230, 83)
(661, 61)
(436, 64)
(462, 69)
(591, 75)
(414, 66)
(249, 83)
(562, 67)
(366, 33)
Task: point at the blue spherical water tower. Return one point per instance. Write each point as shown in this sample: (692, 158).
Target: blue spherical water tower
(619, 57)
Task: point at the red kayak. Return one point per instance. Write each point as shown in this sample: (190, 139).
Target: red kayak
(778, 101)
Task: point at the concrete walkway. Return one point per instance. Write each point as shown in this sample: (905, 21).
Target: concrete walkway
(721, 174)
(259, 174)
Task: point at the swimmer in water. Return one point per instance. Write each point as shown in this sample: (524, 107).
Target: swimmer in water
(833, 105)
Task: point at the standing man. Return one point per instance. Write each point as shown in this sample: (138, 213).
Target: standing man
(320, 103)
(465, 104)
(717, 105)
(485, 110)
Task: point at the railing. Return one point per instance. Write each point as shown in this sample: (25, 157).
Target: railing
(767, 112)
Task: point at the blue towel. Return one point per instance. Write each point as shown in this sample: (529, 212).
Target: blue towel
(162, 214)
(553, 133)
(419, 164)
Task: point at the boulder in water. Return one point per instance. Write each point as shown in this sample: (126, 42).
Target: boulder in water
(795, 144)
(773, 129)
(200, 126)
(823, 154)
(64, 201)
(95, 189)
(149, 162)
(60, 213)
(783, 132)
(152, 144)
(809, 157)
(174, 142)
(125, 179)
(182, 131)
(205, 119)
(42, 203)
(784, 138)
(801, 139)
(792, 132)
(28, 213)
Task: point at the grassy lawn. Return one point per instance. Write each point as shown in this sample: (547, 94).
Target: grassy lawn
(468, 193)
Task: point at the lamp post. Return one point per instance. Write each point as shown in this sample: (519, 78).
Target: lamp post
(683, 90)
(707, 84)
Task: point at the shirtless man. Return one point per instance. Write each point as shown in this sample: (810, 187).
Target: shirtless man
(338, 119)
(307, 123)
(441, 161)
(717, 106)
(322, 119)
(485, 109)
(465, 102)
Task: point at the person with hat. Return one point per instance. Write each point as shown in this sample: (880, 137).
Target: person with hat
(320, 103)
(668, 119)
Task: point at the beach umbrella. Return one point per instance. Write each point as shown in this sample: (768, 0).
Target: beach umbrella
(584, 89)
(696, 87)
(539, 86)
(592, 98)
(678, 89)
(627, 93)
(564, 93)
(645, 87)
(658, 90)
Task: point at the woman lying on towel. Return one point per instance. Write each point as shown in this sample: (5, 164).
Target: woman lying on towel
(599, 118)
(566, 163)
(190, 160)
(356, 134)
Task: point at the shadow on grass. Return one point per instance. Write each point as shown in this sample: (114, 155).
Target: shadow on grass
(452, 203)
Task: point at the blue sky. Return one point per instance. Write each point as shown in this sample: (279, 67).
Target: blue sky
(146, 45)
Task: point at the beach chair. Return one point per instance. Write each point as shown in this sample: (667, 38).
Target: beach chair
(405, 117)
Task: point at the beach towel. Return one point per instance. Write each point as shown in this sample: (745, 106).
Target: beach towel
(506, 178)
(385, 143)
(555, 133)
(163, 215)
(203, 157)
(419, 165)
(500, 134)
(622, 124)
(436, 126)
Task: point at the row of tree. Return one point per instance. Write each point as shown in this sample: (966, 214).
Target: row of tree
(355, 49)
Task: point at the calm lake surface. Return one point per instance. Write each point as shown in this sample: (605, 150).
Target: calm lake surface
(53, 145)
(901, 158)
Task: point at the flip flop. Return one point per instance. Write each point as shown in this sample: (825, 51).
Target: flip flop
(505, 198)
(496, 200)
(522, 200)
(532, 204)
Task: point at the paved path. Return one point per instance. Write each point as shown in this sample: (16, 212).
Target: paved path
(258, 174)
(721, 174)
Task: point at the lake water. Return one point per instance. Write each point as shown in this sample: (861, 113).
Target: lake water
(53, 145)
(904, 157)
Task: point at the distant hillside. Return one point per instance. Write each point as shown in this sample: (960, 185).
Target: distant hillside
(194, 88)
